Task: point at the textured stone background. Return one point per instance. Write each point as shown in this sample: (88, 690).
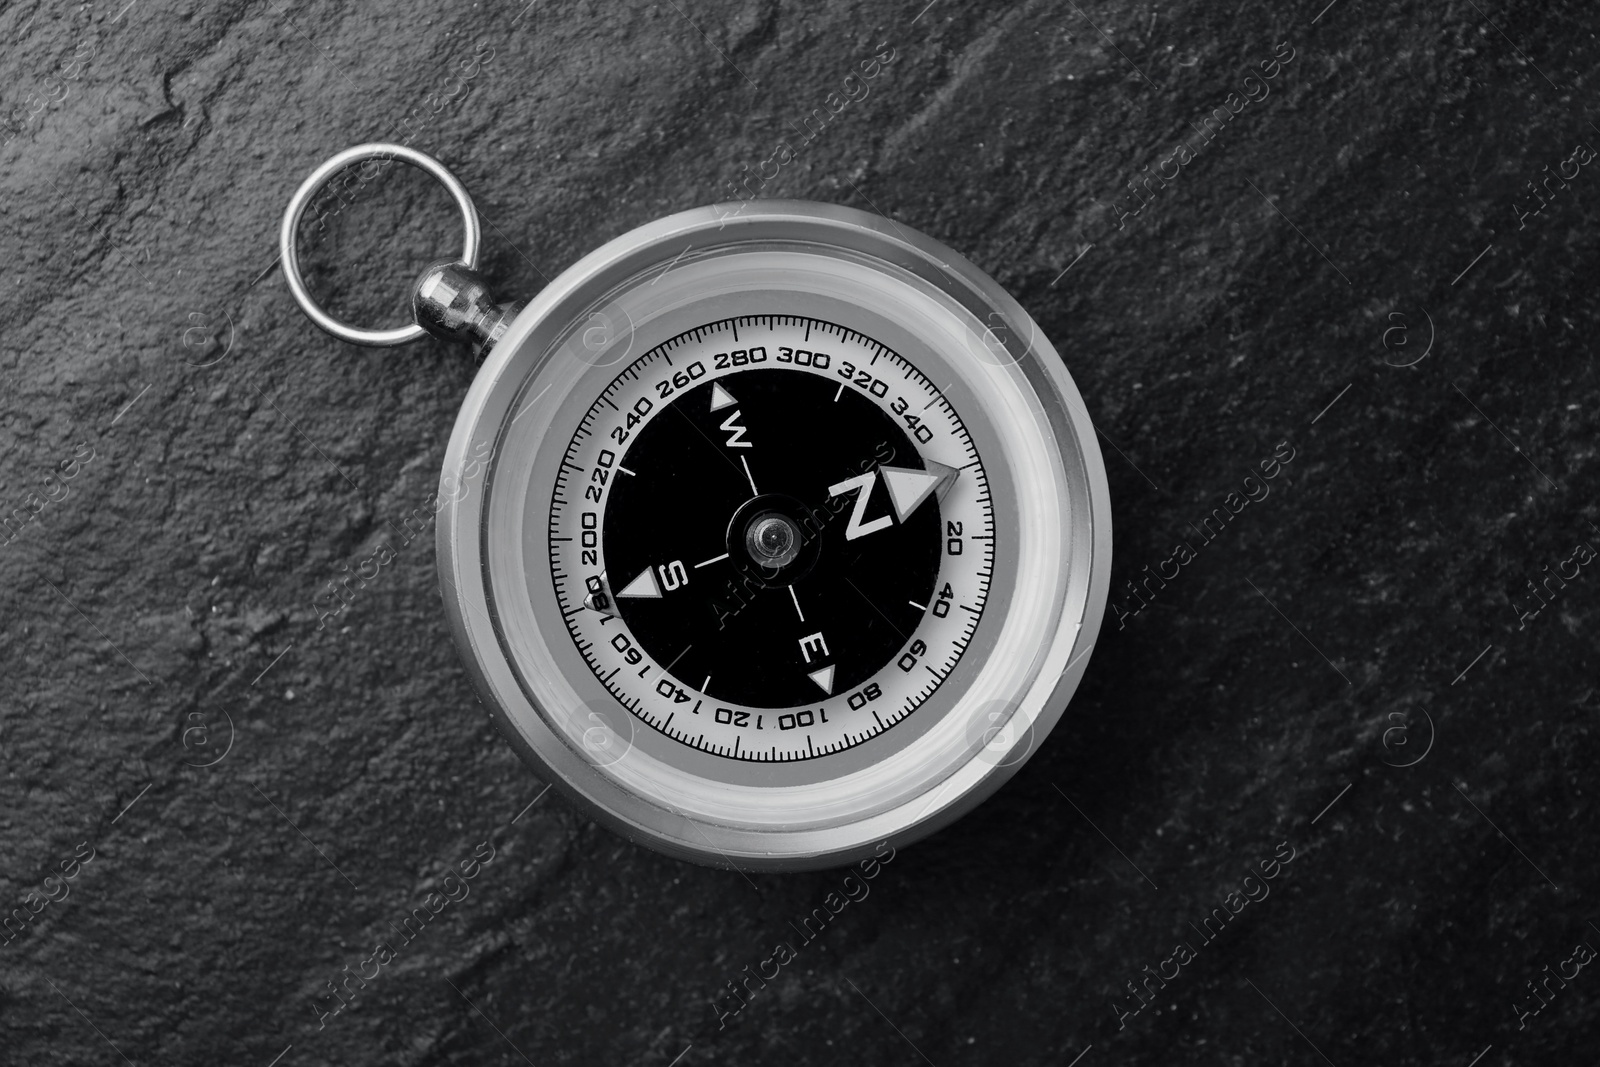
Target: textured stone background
(139, 212)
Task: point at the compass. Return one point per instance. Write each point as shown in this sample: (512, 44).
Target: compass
(769, 532)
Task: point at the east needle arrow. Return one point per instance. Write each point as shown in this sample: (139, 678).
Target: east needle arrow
(824, 679)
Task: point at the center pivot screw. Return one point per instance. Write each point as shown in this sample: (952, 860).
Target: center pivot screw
(772, 540)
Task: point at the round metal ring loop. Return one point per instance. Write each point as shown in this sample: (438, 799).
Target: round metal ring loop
(291, 222)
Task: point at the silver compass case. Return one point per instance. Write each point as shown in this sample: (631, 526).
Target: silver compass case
(535, 614)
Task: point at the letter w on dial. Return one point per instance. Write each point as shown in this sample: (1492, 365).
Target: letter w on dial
(907, 490)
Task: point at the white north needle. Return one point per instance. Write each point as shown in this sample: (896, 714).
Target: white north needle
(796, 600)
(750, 476)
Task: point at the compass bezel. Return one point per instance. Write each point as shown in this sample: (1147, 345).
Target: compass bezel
(1003, 335)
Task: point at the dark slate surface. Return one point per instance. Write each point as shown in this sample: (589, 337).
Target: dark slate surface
(1369, 605)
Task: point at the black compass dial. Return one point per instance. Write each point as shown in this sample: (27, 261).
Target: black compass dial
(765, 534)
